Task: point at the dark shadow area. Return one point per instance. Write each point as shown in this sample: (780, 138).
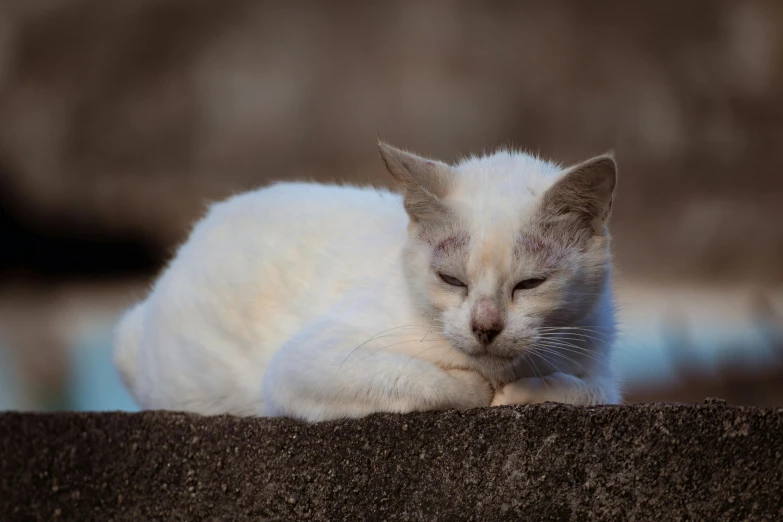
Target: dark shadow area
(59, 249)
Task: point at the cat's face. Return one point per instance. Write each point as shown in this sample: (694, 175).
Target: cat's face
(505, 247)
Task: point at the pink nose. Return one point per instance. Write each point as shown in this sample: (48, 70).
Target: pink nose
(486, 323)
(485, 335)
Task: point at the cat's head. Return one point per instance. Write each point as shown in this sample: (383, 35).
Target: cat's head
(504, 247)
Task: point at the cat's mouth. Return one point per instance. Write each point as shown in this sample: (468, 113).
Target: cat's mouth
(495, 355)
(495, 358)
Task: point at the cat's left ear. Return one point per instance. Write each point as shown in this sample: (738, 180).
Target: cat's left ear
(584, 194)
(424, 181)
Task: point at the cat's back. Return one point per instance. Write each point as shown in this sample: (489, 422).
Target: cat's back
(300, 223)
(290, 236)
(271, 205)
(270, 259)
(253, 271)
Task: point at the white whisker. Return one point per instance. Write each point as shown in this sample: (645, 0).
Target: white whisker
(574, 350)
(424, 351)
(557, 353)
(379, 335)
(417, 340)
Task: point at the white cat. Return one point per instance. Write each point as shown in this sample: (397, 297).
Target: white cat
(487, 282)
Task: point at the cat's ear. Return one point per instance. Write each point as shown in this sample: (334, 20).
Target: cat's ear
(584, 194)
(424, 181)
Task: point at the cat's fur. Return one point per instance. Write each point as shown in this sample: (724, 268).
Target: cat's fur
(320, 302)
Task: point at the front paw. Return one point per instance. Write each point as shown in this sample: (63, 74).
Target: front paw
(475, 391)
(522, 391)
(557, 387)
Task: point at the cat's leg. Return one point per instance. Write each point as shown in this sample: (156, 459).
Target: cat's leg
(333, 371)
(559, 387)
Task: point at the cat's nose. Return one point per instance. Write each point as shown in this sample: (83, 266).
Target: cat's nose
(486, 333)
(486, 321)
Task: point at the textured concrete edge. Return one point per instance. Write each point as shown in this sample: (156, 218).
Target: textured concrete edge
(709, 461)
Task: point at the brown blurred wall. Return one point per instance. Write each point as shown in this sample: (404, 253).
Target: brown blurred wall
(119, 120)
(125, 116)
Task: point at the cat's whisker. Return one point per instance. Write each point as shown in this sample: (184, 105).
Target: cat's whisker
(587, 328)
(419, 337)
(422, 353)
(552, 353)
(376, 336)
(568, 344)
(570, 347)
(620, 335)
(558, 354)
(384, 333)
(572, 338)
(404, 326)
(598, 335)
(390, 345)
(559, 347)
(535, 367)
(448, 352)
(547, 361)
(569, 335)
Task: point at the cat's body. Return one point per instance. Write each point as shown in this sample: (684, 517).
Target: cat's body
(321, 302)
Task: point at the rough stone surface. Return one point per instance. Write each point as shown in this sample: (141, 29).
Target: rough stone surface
(547, 462)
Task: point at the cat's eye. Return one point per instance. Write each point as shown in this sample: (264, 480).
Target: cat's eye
(527, 284)
(453, 281)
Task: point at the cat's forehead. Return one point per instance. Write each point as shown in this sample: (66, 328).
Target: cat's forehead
(495, 199)
(503, 252)
(496, 196)
(491, 190)
(498, 250)
(505, 169)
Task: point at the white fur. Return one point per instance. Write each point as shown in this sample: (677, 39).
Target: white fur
(297, 300)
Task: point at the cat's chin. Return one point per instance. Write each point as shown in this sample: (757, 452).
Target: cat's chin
(508, 359)
(494, 366)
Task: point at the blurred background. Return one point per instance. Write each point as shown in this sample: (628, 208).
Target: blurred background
(120, 120)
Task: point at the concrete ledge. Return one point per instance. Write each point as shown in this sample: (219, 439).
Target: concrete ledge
(547, 462)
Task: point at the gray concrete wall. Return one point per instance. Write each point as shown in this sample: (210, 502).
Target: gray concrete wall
(546, 462)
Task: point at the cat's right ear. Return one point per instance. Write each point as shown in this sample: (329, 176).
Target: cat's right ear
(583, 196)
(424, 181)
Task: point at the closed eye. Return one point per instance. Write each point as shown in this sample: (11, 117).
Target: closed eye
(527, 284)
(453, 281)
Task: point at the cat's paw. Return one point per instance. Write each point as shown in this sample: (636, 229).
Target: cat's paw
(557, 387)
(475, 391)
(522, 391)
